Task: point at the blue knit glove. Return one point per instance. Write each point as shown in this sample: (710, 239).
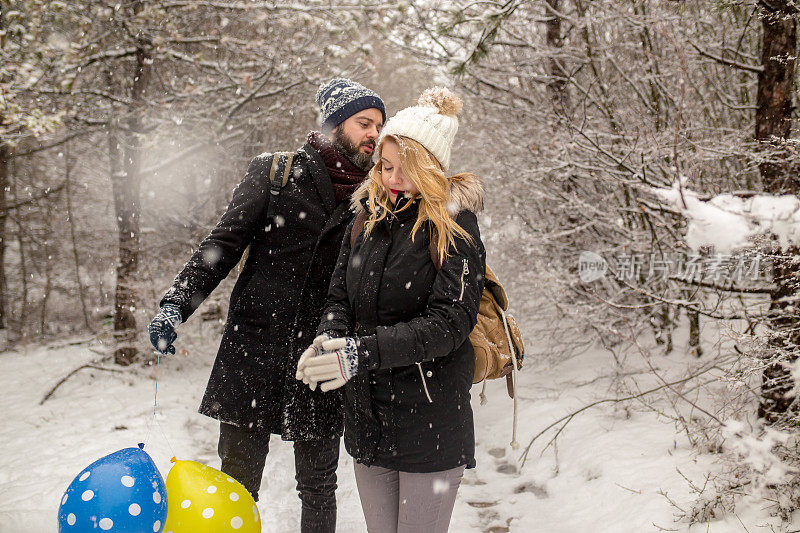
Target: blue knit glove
(162, 328)
(337, 363)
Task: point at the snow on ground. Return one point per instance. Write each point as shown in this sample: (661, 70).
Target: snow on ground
(606, 473)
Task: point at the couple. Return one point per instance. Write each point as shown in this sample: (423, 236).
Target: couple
(383, 267)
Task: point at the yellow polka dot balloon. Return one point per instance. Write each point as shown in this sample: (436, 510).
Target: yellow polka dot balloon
(204, 500)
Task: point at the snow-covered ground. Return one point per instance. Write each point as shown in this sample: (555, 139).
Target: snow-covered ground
(607, 473)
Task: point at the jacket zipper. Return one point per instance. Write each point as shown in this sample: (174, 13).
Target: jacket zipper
(424, 383)
(464, 272)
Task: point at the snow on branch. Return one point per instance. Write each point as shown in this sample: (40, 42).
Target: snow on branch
(729, 221)
(269, 6)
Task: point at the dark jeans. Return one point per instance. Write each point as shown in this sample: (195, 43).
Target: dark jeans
(244, 453)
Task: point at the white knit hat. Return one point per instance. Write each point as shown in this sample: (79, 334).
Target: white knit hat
(432, 122)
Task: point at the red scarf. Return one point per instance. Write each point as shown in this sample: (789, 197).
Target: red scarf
(346, 177)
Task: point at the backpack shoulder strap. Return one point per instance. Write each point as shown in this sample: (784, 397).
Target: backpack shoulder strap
(278, 177)
(358, 226)
(496, 288)
(433, 249)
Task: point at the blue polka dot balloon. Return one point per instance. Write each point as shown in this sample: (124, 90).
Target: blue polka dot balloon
(122, 492)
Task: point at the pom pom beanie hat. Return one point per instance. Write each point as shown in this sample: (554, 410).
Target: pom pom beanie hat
(340, 98)
(433, 123)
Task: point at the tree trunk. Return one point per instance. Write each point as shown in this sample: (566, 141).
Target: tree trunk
(23, 265)
(557, 86)
(773, 126)
(126, 206)
(653, 72)
(694, 333)
(48, 275)
(777, 401)
(71, 219)
(5, 161)
(126, 186)
(774, 95)
(662, 322)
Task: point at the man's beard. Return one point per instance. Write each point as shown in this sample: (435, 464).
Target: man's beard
(352, 152)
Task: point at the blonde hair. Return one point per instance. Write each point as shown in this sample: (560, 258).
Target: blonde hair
(424, 171)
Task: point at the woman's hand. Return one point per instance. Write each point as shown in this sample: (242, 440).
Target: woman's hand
(312, 351)
(337, 363)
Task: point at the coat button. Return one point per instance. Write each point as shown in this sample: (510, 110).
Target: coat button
(429, 374)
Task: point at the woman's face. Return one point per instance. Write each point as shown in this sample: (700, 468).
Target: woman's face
(391, 176)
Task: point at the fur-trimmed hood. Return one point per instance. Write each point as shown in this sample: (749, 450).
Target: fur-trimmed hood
(465, 195)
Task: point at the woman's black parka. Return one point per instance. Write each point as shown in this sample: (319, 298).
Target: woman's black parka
(408, 408)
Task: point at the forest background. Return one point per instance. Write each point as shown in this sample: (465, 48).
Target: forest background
(625, 146)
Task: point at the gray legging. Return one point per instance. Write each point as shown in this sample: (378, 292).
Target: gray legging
(405, 502)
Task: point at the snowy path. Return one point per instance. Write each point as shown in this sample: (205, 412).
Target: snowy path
(605, 476)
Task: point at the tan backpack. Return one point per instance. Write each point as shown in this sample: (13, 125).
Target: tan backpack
(496, 339)
(497, 343)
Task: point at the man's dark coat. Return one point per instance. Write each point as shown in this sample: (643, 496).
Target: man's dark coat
(277, 301)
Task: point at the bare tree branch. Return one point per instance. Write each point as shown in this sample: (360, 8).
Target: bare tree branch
(757, 69)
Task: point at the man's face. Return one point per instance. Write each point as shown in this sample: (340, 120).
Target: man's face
(355, 137)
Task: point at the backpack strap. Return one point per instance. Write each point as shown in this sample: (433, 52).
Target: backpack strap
(278, 177)
(358, 226)
(433, 249)
(511, 380)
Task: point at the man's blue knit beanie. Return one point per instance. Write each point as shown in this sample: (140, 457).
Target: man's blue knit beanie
(340, 98)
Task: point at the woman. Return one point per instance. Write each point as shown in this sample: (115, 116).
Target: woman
(402, 302)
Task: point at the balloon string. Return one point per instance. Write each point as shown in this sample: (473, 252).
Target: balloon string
(155, 402)
(155, 396)
(155, 405)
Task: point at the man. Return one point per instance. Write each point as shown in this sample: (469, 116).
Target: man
(277, 301)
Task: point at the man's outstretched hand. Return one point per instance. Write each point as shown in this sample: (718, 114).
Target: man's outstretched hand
(162, 328)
